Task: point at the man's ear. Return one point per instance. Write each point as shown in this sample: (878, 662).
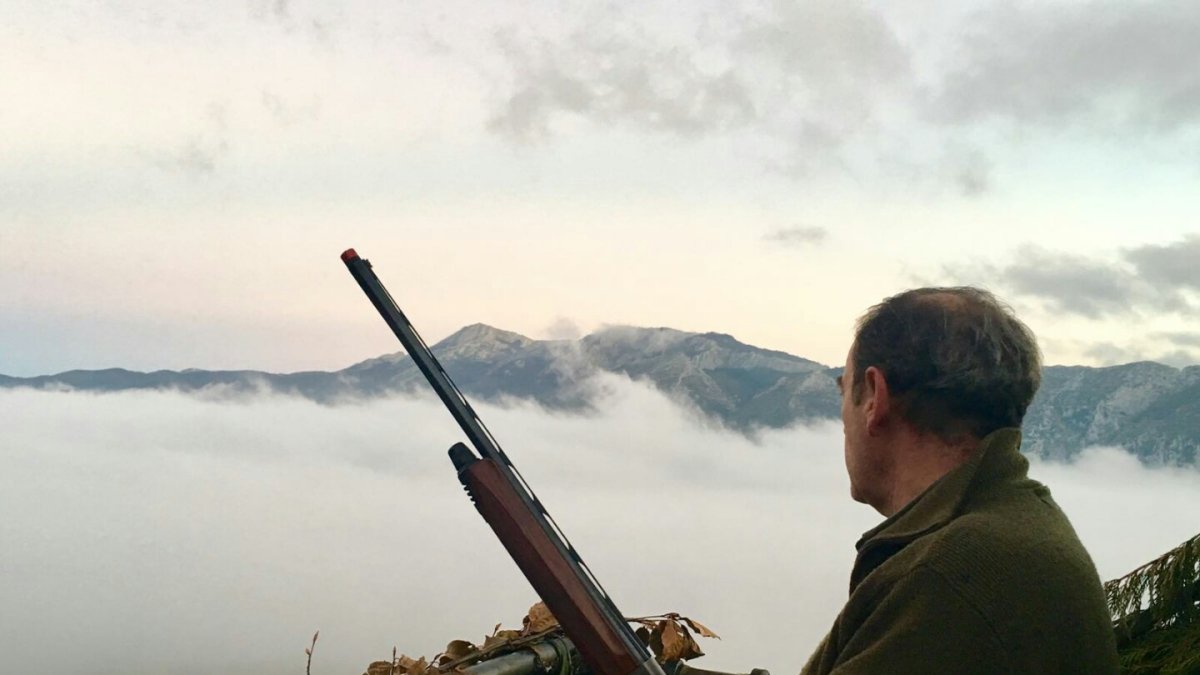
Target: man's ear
(879, 398)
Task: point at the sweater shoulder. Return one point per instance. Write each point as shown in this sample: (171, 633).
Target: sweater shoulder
(1021, 564)
(1020, 533)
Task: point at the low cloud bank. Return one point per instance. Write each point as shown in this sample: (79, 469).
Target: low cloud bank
(154, 532)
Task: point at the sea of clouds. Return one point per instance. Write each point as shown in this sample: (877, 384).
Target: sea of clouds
(155, 532)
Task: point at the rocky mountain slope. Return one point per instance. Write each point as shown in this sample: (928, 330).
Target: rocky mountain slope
(1148, 408)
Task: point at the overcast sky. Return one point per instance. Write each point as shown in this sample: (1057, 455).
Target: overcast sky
(178, 179)
(152, 532)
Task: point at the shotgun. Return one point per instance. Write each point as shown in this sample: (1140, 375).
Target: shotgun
(555, 570)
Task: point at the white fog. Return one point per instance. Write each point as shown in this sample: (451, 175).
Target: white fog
(154, 532)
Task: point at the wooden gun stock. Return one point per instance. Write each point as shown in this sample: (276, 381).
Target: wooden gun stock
(538, 558)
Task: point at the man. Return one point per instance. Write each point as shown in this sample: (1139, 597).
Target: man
(975, 569)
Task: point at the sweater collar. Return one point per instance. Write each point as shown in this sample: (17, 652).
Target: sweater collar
(997, 460)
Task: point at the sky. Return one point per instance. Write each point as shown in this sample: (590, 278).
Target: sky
(177, 180)
(156, 532)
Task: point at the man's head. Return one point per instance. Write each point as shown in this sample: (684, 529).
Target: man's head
(946, 364)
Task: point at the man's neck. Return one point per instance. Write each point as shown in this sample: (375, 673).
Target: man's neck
(920, 460)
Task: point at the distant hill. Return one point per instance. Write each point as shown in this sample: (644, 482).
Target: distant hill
(1148, 408)
(1151, 409)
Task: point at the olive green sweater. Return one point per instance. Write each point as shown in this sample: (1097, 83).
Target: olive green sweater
(982, 573)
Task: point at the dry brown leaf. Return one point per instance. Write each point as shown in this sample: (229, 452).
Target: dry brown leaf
(379, 668)
(456, 650)
(691, 650)
(672, 641)
(417, 667)
(539, 619)
(677, 642)
(500, 637)
(655, 644)
(700, 628)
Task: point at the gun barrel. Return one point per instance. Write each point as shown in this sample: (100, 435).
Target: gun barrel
(453, 399)
(515, 514)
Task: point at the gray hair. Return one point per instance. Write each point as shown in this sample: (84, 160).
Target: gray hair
(958, 361)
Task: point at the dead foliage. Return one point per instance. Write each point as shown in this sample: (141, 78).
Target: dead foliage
(669, 636)
(537, 624)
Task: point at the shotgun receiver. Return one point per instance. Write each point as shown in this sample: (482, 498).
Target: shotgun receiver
(552, 566)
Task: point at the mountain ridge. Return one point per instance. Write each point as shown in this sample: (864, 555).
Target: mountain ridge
(1149, 408)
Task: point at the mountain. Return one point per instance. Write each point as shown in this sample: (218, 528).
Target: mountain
(1151, 409)
(741, 386)
(490, 364)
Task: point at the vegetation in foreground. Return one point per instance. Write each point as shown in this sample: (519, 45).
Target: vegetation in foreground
(1156, 613)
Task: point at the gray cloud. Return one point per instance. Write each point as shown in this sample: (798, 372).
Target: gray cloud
(1181, 339)
(1171, 266)
(273, 10)
(286, 112)
(563, 328)
(1072, 284)
(317, 22)
(615, 79)
(971, 171)
(195, 157)
(840, 86)
(808, 76)
(1104, 63)
(1151, 278)
(250, 525)
(199, 154)
(1109, 354)
(797, 236)
(1180, 358)
(823, 50)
